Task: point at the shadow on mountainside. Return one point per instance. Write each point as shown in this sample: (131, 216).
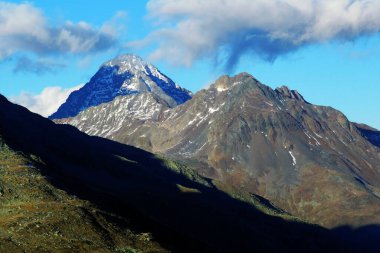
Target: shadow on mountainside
(365, 239)
(371, 134)
(185, 213)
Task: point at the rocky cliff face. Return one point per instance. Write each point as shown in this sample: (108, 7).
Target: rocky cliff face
(309, 160)
(124, 75)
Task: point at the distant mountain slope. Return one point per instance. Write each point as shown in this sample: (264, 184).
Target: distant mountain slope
(124, 75)
(179, 209)
(309, 160)
(122, 112)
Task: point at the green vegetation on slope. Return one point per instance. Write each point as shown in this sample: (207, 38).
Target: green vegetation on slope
(35, 216)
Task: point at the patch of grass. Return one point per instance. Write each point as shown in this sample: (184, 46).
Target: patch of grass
(182, 169)
(125, 159)
(127, 250)
(187, 189)
(264, 206)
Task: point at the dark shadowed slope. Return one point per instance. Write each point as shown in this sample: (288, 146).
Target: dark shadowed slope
(370, 133)
(184, 212)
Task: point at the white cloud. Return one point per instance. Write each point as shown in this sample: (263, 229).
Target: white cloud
(192, 29)
(45, 103)
(24, 28)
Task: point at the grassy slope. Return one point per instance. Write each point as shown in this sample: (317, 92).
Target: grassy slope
(36, 216)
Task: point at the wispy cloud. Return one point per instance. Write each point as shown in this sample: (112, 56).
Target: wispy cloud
(40, 66)
(188, 30)
(24, 28)
(45, 103)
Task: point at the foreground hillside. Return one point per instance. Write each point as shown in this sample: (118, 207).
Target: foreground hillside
(36, 216)
(309, 160)
(96, 194)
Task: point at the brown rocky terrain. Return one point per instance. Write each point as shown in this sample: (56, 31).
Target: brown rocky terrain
(309, 160)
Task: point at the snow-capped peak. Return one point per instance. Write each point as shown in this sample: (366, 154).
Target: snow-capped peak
(124, 75)
(134, 64)
(127, 62)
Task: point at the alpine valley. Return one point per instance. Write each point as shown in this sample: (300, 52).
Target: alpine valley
(309, 160)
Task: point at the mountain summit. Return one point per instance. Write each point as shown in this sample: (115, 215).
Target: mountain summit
(124, 75)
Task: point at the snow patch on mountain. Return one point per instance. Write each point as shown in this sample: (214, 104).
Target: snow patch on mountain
(108, 118)
(124, 75)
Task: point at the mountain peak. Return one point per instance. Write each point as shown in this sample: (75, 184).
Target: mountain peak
(127, 62)
(120, 59)
(130, 63)
(124, 75)
(226, 82)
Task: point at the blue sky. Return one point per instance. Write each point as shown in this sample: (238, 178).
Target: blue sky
(334, 64)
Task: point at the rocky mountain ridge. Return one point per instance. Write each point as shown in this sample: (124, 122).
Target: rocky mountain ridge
(124, 199)
(269, 142)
